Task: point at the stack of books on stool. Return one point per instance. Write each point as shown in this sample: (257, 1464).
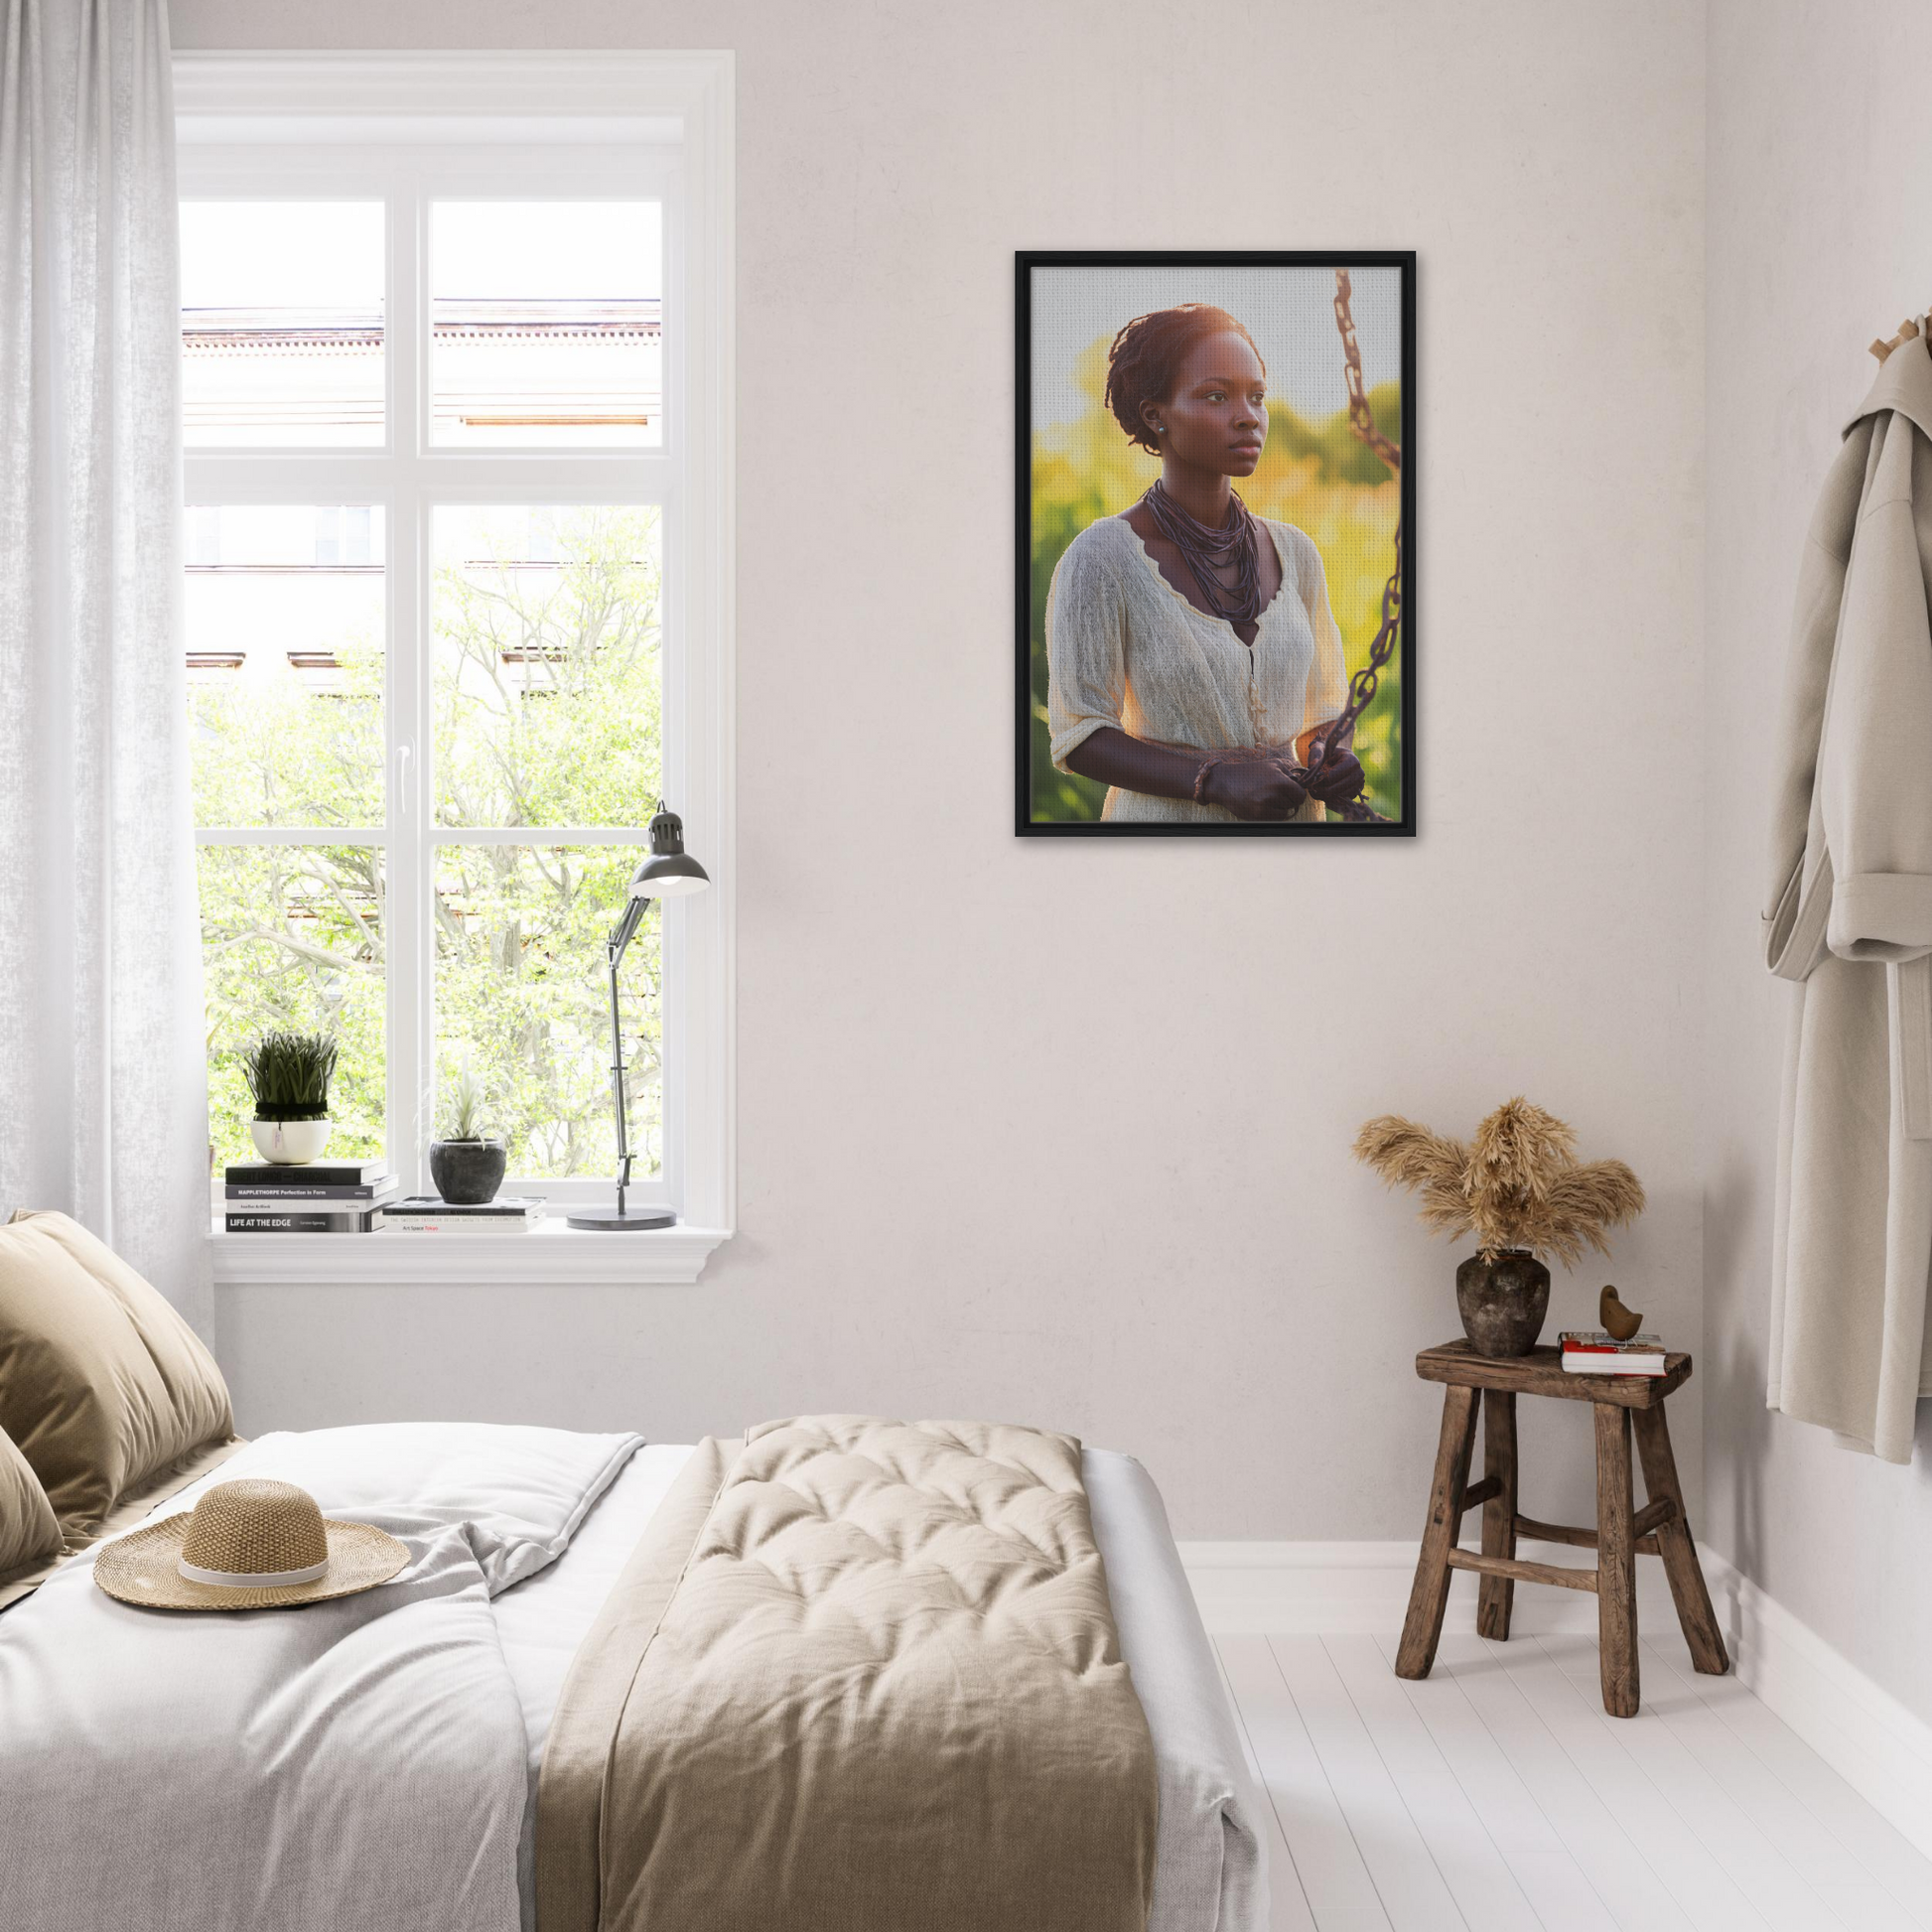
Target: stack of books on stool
(317, 1197)
(425, 1215)
(1595, 1352)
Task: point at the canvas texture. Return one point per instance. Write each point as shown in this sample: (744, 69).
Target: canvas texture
(880, 1680)
(102, 1384)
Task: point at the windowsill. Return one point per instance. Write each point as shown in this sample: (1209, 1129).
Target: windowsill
(549, 1253)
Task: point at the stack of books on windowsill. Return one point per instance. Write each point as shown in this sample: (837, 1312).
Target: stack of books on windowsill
(317, 1197)
(425, 1215)
(1594, 1351)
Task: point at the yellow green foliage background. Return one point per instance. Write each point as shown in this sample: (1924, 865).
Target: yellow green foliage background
(1316, 476)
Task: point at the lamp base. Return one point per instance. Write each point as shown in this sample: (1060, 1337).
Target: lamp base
(612, 1220)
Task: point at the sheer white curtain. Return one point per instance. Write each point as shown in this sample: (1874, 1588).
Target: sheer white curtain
(102, 1073)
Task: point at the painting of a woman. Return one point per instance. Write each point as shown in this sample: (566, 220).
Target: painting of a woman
(1215, 514)
(1192, 654)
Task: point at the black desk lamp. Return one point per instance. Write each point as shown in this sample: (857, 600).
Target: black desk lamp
(669, 873)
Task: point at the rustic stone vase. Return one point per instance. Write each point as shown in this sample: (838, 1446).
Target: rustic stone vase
(467, 1173)
(1503, 1300)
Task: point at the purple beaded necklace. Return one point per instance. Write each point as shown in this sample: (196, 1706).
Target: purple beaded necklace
(1207, 552)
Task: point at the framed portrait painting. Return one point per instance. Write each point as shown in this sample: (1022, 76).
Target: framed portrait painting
(1216, 545)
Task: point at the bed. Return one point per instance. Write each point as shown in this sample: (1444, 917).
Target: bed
(1210, 1874)
(510, 1579)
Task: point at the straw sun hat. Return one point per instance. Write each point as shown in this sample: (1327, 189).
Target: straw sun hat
(249, 1544)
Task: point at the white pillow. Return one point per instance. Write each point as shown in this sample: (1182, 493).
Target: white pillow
(522, 1490)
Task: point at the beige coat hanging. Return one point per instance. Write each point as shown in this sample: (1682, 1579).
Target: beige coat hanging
(1850, 919)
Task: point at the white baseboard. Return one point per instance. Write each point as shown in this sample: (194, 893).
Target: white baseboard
(1880, 1747)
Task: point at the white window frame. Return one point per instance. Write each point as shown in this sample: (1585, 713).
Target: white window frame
(486, 126)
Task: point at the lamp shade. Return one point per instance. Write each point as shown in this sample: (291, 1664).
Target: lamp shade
(670, 871)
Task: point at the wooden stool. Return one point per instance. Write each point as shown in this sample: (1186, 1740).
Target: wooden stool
(1659, 1529)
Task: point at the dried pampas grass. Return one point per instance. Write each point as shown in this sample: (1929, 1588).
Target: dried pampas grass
(1517, 1184)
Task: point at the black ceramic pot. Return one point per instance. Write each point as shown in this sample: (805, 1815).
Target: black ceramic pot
(467, 1173)
(1503, 1302)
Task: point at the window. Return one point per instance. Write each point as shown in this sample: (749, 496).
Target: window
(457, 599)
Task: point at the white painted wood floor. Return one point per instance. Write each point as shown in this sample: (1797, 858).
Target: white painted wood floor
(1497, 1796)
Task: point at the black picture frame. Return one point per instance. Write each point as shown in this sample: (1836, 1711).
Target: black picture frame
(1026, 262)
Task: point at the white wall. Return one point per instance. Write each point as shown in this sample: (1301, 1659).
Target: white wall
(1820, 238)
(1060, 1134)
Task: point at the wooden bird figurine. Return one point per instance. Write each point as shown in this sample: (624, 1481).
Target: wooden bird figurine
(1615, 1318)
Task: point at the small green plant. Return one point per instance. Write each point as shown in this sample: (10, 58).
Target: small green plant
(464, 1111)
(289, 1074)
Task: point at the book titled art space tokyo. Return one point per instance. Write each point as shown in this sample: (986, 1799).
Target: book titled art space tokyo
(1216, 516)
(426, 1214)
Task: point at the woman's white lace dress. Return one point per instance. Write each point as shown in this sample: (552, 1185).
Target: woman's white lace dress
(1124, 647)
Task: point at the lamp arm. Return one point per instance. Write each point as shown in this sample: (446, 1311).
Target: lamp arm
(614, 946)
(625, 928)
(614, 954)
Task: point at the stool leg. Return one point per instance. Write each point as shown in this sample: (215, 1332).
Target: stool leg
(1423, 1629)
(1496, 1595)
(1616, 1562)
(1678, 1546)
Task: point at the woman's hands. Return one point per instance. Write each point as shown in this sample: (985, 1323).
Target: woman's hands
(1253, 789)
(1245, 782)
(1339, 779)
(1260, 788)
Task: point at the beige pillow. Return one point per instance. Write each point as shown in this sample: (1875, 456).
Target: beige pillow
(28, 1532)
(101, 1383)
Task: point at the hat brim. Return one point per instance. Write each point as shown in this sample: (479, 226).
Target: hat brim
(143, 1569)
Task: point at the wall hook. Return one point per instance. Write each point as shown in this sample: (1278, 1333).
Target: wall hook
(1908, 330)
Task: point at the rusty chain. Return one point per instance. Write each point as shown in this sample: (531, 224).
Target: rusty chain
(1361, 418)
(1363, 686)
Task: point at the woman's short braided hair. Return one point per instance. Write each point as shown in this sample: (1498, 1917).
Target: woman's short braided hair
(1147, 355)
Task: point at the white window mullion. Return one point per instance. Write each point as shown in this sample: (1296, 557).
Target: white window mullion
(700, 680)
(408, 933)
(350, 477)
(284, 477)
(413, 1020)
(638, 835)
(588, 477)
(293, 835)
(674, 775)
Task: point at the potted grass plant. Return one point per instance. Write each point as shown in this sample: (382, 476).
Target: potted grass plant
(1520, 1190)
(468, 1162)
(289, 1075)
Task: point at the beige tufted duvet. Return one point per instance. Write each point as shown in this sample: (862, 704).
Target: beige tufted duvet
(865, 1668)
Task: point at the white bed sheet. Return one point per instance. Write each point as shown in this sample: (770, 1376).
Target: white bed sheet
(1210, 1873)
(356, 1765)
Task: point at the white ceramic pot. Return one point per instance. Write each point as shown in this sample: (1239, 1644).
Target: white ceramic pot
(290, 1143)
